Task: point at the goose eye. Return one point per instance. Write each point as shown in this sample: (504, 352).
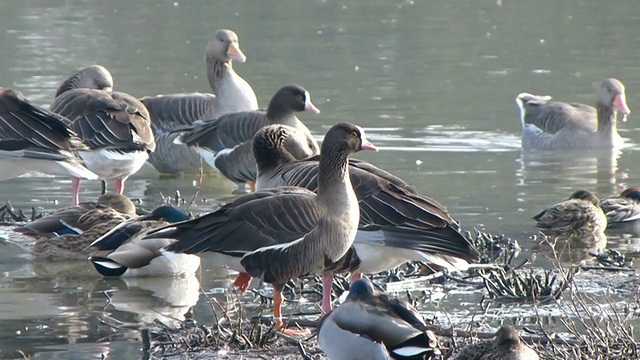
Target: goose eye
(300, 97)
(354, 134)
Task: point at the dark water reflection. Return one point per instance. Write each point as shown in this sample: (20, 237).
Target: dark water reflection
(432, 82)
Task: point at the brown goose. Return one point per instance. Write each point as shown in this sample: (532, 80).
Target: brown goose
(91, 77)
(116, 128)
(283, 233)
(225, 144)
(506, 346)
(396, 223)
(169, 112)
(34, 139)
(557, 125)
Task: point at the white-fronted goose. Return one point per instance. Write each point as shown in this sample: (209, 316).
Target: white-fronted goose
(116, 128)
(552, 125)
(121, 252)
(169, 112)
(34, 139)
(283, 233)
(225, 143)
(623, 212)
(396, 223)
(506, 346)
(370, 325)
(578, 220)
(91, 77)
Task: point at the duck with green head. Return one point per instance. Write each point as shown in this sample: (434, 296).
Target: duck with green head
(123, 252)
(370, 325)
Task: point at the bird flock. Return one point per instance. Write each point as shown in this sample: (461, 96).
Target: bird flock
(306, 208)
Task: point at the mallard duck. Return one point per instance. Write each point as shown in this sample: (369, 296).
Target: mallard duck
(122, 252)
(225, 144)
(78, 219)
(115, 126)
(623, 212)
(78, 232)
(552, 125)
(396, 223)
(506, 346)
(169, 112)
(283, 233)
(578, 220)
(370, 325)
(34, 139)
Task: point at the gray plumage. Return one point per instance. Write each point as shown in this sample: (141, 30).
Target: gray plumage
(623, 211)
(506, 346)
(91, 77)
(170, 112)
(548, 124)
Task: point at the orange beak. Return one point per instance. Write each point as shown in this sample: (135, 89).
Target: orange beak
(234, 53)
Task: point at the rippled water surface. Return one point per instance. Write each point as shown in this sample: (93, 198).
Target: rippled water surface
(433, 83)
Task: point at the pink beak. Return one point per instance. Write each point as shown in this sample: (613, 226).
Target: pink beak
(308, 106)
(366, 145)
(234, 53)
(621, 105)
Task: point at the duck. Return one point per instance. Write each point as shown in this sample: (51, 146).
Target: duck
(623, 211)
(371, 325)
(35, 139)
(225, 143)
(65, 234)
(396, 223)
(507, 345)
(122, 253)
(553, 125)
(115, 127)
(283, 233)
(77, 219)
(578, 220)
(170, 112)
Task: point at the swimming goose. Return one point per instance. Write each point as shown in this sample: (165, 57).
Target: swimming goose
(116, 128)
(90, 77)
(169, 112)
(79, 218)
(370, 325)
(122, 252)
(623, 212)
(396, 224)
(578, 220)
(283, 233)
(506, 346)
(34, 139)
(552, 125)
(225, 143)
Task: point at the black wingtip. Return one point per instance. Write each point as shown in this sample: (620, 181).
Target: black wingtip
(107, 267)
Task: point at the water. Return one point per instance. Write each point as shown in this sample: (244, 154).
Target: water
(433, 83)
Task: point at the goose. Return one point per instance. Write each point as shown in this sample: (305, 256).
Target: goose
(170, 112)
(80, 218)
(282, 233)
(34, 139)
(371, 325)
(554, 125)
(578, 220)
(623, 211)
(90, 77)
(506, 346)
(121, 252)
(116, 128)
(396, 224)
(225, 143)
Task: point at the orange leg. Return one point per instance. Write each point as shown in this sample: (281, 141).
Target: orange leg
(277, 315)
(252, 186)
(242, 282)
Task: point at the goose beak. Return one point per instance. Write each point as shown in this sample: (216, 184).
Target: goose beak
(620, 103)
(234, 53)
(368, 146)
(308, 105)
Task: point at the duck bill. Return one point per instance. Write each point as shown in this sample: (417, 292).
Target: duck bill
(234, 53)
(620, 103)
(308, 106)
